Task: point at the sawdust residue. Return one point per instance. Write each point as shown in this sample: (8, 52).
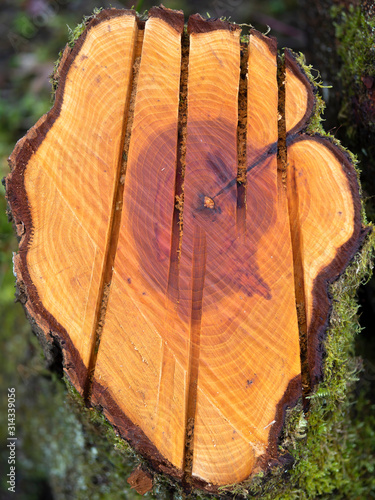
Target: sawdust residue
(242, 117)
(129, 125)
(182, 130)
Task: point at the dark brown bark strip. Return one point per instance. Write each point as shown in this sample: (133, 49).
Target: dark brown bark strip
(174, 18)
(197, 24)
(131, 432)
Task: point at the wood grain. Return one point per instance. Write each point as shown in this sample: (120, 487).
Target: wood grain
(150, 385)
(179, 273)
(318, 172)
(324, 213)
(209, 231)
(71, 178)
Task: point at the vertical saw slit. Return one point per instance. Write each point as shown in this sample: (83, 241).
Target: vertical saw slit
(287, 180)
(177, 220)
(197, 280)
(241, 142)
(115, 219)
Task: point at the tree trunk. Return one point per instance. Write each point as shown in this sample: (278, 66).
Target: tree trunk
(341, 44)
(179, 230)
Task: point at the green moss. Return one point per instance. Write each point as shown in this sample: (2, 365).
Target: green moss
(333, 445)
(356, 35)
(355, 47)
(114, 458)
(315, 125)
(328, 460)
(73, 35)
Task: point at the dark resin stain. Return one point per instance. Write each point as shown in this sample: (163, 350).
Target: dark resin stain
(210, 204)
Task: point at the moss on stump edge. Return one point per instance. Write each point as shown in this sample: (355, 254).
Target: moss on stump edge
(325, 443)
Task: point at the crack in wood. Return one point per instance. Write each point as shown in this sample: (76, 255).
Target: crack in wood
(287, 179)
(115, 219)
(177, 222)
(198, 277)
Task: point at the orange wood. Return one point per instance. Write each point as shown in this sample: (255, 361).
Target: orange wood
(323, 209)
(149, 383)
(209, 235)
(199, 351)
(317, 174)
(298, 96)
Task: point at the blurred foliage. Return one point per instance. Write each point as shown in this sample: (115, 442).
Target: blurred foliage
(59, 454)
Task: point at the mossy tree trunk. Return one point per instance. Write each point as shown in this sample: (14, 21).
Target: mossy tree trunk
(341, 44)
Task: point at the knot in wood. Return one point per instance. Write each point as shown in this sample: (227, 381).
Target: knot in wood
(209, 203)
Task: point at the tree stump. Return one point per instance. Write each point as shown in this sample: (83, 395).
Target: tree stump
(179, 230)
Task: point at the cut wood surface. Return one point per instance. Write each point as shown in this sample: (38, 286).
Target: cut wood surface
(178, 234)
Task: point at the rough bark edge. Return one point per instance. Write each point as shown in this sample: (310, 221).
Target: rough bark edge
(332, 398)
(269, 40)
(197, 24)
(322, 298)
(44, 323)
(105, 405)
(104, 402)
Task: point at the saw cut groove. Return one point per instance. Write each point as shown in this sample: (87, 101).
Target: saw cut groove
(282, 156)
(177, 222)
(241, 143)
(115, 217)
(299, 285)
(288, 181)
(141, 283)
(197, 279)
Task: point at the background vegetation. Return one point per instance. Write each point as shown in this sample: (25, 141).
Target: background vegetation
(60, 456)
